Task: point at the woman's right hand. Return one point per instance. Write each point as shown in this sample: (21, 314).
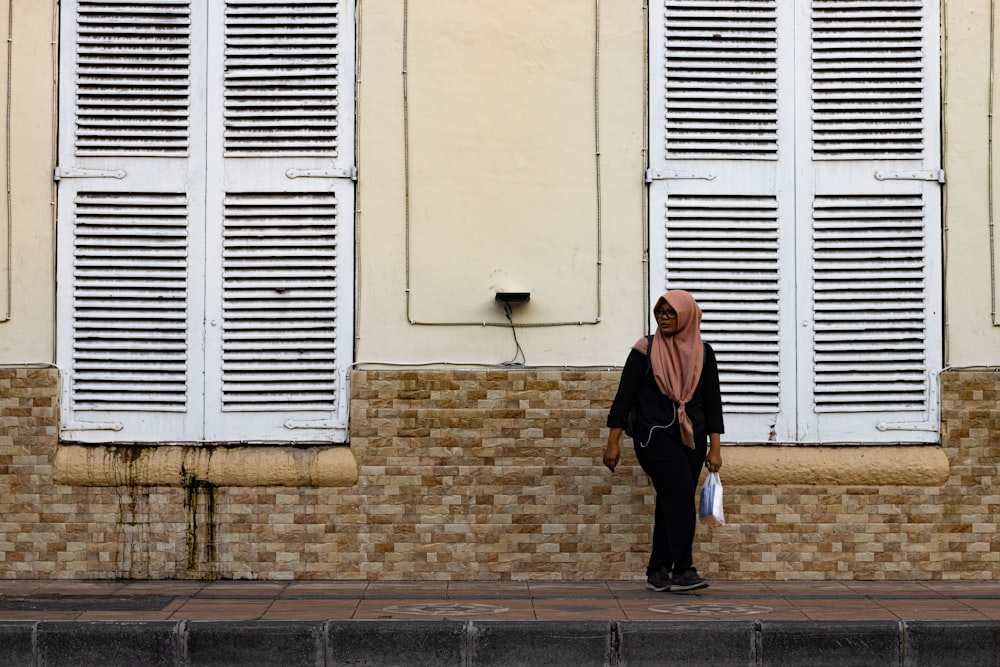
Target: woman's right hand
(612, 451)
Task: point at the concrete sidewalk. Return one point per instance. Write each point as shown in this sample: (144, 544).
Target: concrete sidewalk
(111, 623)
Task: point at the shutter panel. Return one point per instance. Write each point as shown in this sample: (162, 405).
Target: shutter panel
(724, 250)
(721, 79)
(282, 78)
(132, 77)
(130, 292)
(875, 241)
(869, 339)
(717, 198)
(868, 79)
(280, 304)
(129, 238)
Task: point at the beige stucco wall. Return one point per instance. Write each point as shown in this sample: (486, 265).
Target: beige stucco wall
(533, 232)
(452, 278)
(972, 336)
(493, 151)
(27, 319)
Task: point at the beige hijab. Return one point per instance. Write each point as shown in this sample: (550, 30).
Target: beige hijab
(677, 359)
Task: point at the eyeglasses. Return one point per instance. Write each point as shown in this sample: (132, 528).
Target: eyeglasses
(669, 314)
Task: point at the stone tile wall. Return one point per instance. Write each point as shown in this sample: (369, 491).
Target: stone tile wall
(487, 474)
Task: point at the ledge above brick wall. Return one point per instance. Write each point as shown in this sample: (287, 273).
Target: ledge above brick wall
(165, 465)
(898, 465)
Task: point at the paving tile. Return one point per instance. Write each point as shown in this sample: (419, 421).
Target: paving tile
(304, 589)
(962, 588)
(20, 587)
(567, 590)
(578, 609)
(941, 615)
(833, 614)
(222, 609)
(473, 589)
(112, 615)
(931, 610)
(410, 608)
(856, 605)
(702, 608)
(890, 589)
(38, 615)
(80, 588)
(627, 587)
(103, 615)
(638, 593)
(739, 589)
(809, 588)
(311, 609)
(988, 608)
(395, 589)
(239, 589)
(171, 587)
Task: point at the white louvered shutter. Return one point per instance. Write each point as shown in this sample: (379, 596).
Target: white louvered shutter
(873, 256)
(280, 293)
(819, 282)
(245, 265)
(721, 175)
(130, 260)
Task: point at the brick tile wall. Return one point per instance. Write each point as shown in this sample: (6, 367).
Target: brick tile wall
(488, 474)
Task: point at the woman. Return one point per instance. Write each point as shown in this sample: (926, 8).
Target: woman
(678, 423)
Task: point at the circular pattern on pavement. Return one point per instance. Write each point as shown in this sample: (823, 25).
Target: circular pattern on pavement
(710, 609)
(445, 609)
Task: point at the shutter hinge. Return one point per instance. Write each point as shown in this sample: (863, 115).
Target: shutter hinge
(908, 426)
(310, 423)
(60, 173)
(349, 172)
(670, 174)
(926, 175)
(93, 426)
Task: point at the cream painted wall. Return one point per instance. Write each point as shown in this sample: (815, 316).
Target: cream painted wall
(27, 320)
(972, 334)
(495, 140)
(551, 239)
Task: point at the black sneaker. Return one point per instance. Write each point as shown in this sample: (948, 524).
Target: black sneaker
(687, 581)
(658, 581)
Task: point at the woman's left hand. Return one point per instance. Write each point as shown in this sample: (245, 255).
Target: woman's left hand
(612, 451)
(714, 461)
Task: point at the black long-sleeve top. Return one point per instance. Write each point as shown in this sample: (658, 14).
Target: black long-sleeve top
(637, 385)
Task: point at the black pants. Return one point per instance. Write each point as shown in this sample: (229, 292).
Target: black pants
(674, 472)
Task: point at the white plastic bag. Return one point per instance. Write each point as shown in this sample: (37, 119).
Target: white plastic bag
(710, 509)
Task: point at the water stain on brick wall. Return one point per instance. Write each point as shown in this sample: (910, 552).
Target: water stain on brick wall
(200, 501)
(132, 504)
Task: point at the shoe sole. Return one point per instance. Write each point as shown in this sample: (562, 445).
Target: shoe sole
(658, 589)
(675, 588)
